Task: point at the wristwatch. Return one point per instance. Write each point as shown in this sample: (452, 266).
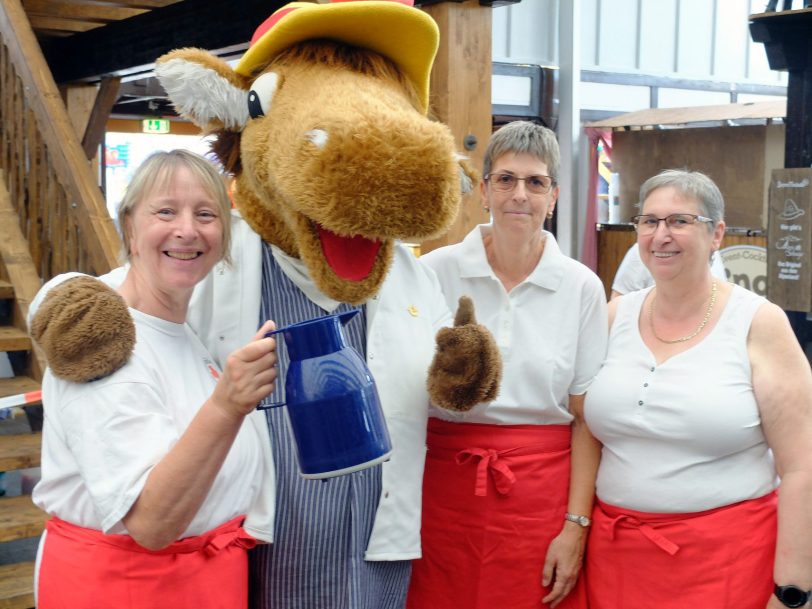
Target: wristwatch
(792, 596)
(584, 521)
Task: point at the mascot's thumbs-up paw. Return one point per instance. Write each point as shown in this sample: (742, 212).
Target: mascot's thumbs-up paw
(467, 367)
(84, 329)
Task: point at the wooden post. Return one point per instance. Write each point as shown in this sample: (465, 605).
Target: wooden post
(461, 96)
(787, 38)
(79, 101)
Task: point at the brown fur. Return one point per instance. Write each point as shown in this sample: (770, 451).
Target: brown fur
(386, 172)
(85, 330)
(226, 147)
(467, 367)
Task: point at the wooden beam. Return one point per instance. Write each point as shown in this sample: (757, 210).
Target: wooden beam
(62, 25)
(76, 10)
(461, 96)
(134, 44)
(66, 155)
(79, 100)
(99, 115)
(148, 4)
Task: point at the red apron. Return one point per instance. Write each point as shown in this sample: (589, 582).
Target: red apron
(86, 569)
(720, 558)
(494, 496)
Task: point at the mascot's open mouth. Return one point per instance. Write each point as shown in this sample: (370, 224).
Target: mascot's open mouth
(351, 258)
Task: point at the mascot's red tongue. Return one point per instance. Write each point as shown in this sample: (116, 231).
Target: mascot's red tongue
(351, 258)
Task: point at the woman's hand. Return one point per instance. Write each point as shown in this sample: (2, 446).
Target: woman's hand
(563, 562)
(248, 375)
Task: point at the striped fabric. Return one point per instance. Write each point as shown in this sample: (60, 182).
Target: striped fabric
(322, 527)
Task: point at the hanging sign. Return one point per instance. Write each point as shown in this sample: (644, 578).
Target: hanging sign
(155, 125)
(789, 266)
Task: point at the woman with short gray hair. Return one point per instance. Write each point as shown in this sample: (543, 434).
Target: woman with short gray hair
(508, 487)
(704, 400)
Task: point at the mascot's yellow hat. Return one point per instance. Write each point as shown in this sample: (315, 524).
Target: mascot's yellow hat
(394, 28)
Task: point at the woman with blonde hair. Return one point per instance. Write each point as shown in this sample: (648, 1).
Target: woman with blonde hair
(155, 476)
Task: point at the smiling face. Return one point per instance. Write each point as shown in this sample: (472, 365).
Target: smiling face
(518, 213)
(685, 253)
(175, 235)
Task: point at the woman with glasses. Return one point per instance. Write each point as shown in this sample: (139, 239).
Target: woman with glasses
(702, 403)
(508, 487)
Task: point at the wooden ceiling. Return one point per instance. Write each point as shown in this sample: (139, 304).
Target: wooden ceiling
(59, 18)
(89, 40)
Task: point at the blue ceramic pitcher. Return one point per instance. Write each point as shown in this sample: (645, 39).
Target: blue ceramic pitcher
(333, 406)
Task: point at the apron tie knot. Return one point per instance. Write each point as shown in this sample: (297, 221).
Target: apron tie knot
(649, 532)
(238, 538)
(489, 461)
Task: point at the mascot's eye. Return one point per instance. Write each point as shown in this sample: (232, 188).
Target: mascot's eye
(261, 94)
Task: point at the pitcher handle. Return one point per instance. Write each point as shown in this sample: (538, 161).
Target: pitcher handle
(260, 406)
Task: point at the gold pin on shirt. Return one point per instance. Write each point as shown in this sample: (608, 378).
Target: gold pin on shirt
(413, 311)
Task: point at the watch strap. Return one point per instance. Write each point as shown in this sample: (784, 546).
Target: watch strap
(584, 521)
(792, 596)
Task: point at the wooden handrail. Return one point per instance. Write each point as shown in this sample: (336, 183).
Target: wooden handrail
(95, 234)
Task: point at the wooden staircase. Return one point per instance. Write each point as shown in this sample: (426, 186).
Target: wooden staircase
(20, 449)
(53, 219)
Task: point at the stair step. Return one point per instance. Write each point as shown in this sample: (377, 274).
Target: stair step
(17, 586)
(13, 339)
(20, 518)
(17, 384)
(20, 451)
(6, 289)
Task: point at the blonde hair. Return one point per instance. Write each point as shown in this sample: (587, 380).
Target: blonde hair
(156, 173)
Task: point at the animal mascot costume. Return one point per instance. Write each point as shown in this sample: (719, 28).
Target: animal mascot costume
(323, 125)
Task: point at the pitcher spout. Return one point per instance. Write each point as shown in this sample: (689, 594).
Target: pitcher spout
(347, 316)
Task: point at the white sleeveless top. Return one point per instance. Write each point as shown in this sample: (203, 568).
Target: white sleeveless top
(685, 435)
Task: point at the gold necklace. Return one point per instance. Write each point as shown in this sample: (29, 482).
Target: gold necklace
(695, 332)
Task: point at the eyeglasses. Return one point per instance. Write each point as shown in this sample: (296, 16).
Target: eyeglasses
(506, 182)
(647, 224)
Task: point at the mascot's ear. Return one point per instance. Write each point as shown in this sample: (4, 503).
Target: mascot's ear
(204, 89)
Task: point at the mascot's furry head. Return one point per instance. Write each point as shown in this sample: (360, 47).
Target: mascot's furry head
(323, 123)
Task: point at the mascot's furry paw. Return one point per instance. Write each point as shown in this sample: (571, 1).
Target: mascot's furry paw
(467, 367)
(85, 330)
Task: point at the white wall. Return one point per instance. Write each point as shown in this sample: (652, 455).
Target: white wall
(680, 39)
(634, 40)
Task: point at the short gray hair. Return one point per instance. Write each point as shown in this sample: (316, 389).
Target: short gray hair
(520, 137)
(692, 184)
(155, 174)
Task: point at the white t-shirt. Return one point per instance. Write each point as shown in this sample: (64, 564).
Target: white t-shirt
(551, 329)
(102, 439)
(632, 274)
(684, 435)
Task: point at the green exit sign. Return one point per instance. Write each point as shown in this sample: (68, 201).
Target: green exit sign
(155, 125)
